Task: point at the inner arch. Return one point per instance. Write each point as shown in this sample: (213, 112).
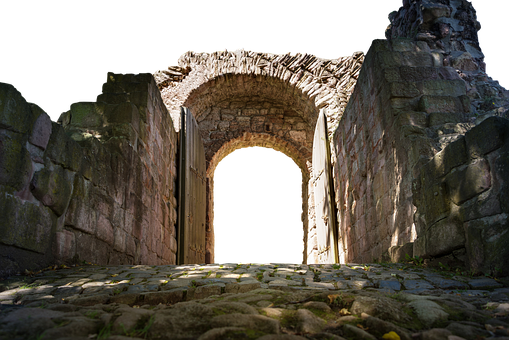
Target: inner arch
(258, 206)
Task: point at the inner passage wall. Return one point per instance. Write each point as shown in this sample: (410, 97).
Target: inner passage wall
(258, 208)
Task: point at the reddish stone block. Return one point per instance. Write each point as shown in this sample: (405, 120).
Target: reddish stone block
(65, 245)
(42, 128)
(119, 240)
(80, 216)
(130, 245)
(104, 230)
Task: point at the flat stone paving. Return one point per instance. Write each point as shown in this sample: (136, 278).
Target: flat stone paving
(251, 301)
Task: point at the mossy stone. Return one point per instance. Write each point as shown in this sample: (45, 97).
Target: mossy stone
(15, 113)
(15, 162)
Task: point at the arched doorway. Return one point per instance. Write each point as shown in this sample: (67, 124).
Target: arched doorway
(258, 208)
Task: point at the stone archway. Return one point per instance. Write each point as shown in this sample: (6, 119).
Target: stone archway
(245, 99)
(263, 140)
(258, 213)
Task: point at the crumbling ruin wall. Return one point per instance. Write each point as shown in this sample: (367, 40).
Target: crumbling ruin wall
(98, 187)
(417, 156)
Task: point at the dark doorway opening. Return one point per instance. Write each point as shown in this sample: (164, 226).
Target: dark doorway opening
(258, 208)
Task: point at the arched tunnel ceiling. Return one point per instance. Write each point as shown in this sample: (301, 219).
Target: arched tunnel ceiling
(251, 90)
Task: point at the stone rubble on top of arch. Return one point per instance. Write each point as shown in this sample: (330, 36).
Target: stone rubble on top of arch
(328, 82)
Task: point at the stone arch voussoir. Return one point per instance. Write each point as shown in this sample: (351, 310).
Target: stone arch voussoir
(327, 83)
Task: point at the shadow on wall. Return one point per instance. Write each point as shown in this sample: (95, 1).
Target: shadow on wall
(462, 201)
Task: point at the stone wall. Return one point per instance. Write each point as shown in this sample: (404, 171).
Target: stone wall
(462, 202)
(416, 157)
(97, 187)
(380, 140)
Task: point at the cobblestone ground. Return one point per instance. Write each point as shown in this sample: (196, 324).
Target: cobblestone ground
(251, 301)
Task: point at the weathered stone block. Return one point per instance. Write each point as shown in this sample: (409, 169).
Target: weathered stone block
(441, 87)
(417, 74)
(41, 130)
(465, 62)
(53, 187)
(440, 118)
(24, 224)
(468, 181)
(15, 162)
(404, 89)
(422, 147)
(63, 150)
(435, 204)
(402, 45)
(443, 104)
(125, 113)
(450, 157)
(478, 142)
(416, 59)
(485, 204)
(419, 246)
(65, 245)
(104, 229)
(444, 237)
(400, 253)
(79, 214)
(87, 115)
(413, 118)
(487, 244)
(15, 113)
(433, 11)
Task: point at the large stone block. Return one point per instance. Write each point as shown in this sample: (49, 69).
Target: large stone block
(53, 187)
(80, 214)
(442, 104)
(402, 45)
(442, 87)
(24, 224)
(87, 115)
(444, 237)
(63, 150)
(413, 118)
(400, 253)
(487, 136)
(416, 74)
(450, 157)
(440, 118)
(419, 147)
(487, 244)
(125, 113)
(41, 130)
(485, 204)
(104, 230)
(65, 246)
(435, 204)
(468, 181)
(15, 162)
(404, 89)
(15, 113)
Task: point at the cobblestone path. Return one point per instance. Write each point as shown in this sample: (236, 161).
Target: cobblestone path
(253, 301)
